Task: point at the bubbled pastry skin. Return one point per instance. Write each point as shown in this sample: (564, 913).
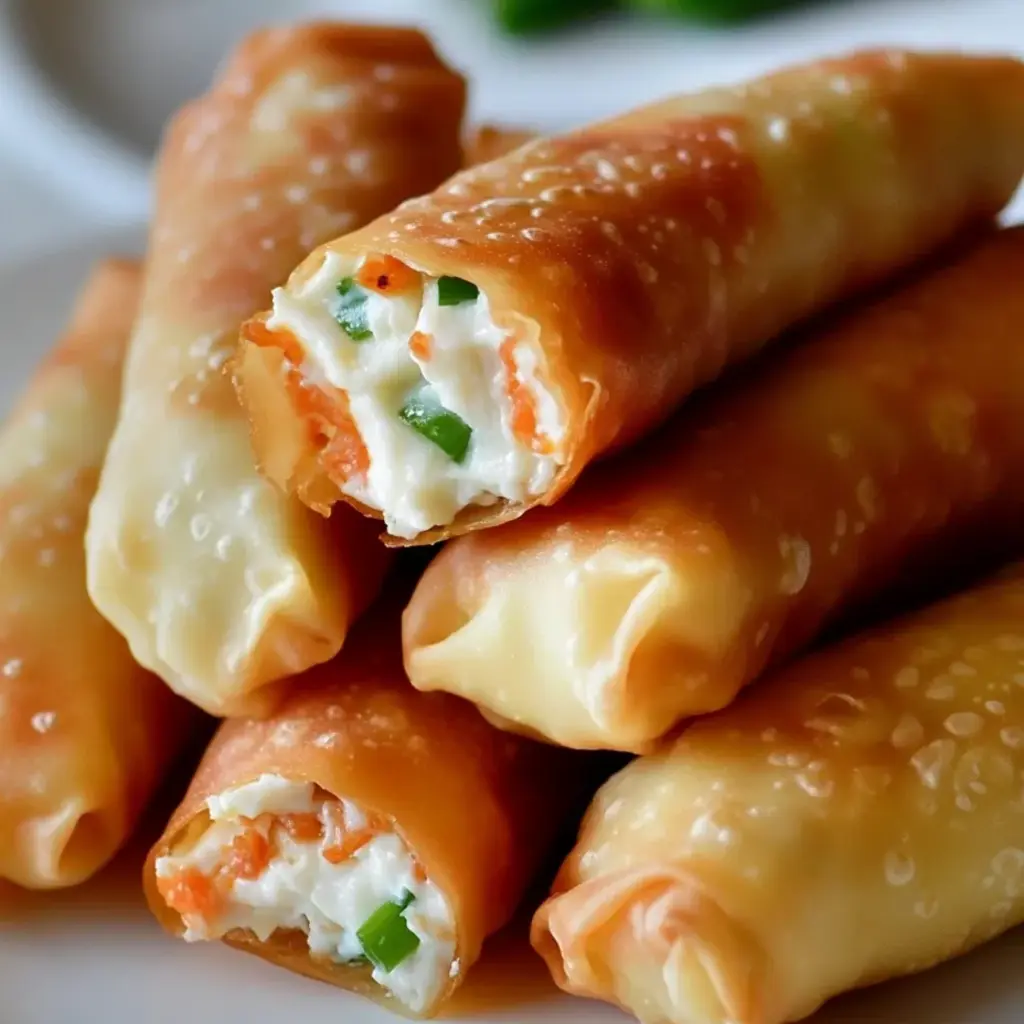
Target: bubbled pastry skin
(859, 817)
(642, 255)
(220, 584)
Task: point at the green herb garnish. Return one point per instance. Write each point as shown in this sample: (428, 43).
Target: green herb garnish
(451, 291)
(350, 312)
(438, 425)
(385, 936)
(524, 17)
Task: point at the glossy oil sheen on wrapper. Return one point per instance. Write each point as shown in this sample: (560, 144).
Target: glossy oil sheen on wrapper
(857, 818)
(634, 260)
(477, 808)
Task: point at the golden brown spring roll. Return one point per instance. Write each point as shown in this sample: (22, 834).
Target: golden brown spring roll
(671, 578)
(489, 142)
(85, 733)
(220, 583)
(480, 346)
(366, 834)
(857, 818)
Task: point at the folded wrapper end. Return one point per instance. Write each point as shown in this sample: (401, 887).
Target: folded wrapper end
(67, 847)
(622, 619)
(650, 940)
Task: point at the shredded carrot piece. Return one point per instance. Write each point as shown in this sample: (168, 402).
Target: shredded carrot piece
(257, 332)
(346, 455)
(343, 454)
(326, 410)
(386, 275)
(248, 856)
(350, 843)
(524, 406)
(342, 842)
(421, 345)
(303, 827)
(190, 892)
(417, 871)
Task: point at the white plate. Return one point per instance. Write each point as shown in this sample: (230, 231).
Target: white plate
(95, 955)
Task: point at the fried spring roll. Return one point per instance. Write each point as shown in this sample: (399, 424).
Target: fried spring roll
(859, 817)
(670, 579)
(220, 583)
(366, 835)
(485, 343)
(85, 733)
(489, 142)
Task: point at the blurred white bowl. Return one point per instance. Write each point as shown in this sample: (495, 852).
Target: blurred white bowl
(86, 85)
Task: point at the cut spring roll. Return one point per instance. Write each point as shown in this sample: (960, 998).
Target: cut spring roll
(492, 339)
(85, 733)
(857, 818)
(892, 439)
(489, 142)
(220, 583)
(367, 835)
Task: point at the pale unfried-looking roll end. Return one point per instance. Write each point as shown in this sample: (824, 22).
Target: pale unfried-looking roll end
(599, 632)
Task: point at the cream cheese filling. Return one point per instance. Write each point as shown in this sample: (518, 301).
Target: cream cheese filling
(299, 888)
(414, 482)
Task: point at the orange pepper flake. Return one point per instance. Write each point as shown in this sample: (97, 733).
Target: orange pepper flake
(524, 405)
(248, 856)
(302, 827)
(421, 345)
(387, 276)
(191, 893)
(258, 333)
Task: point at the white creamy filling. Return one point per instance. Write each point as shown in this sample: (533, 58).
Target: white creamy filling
(300, 889)
(411, 480)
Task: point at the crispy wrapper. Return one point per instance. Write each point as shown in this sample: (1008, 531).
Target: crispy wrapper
(220, 583)
(889, 444)
(480, 809)
(85, 733)
(490, 142)
(641, 256)
(859, 817)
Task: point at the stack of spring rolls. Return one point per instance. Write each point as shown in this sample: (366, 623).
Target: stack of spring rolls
(510, 363)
